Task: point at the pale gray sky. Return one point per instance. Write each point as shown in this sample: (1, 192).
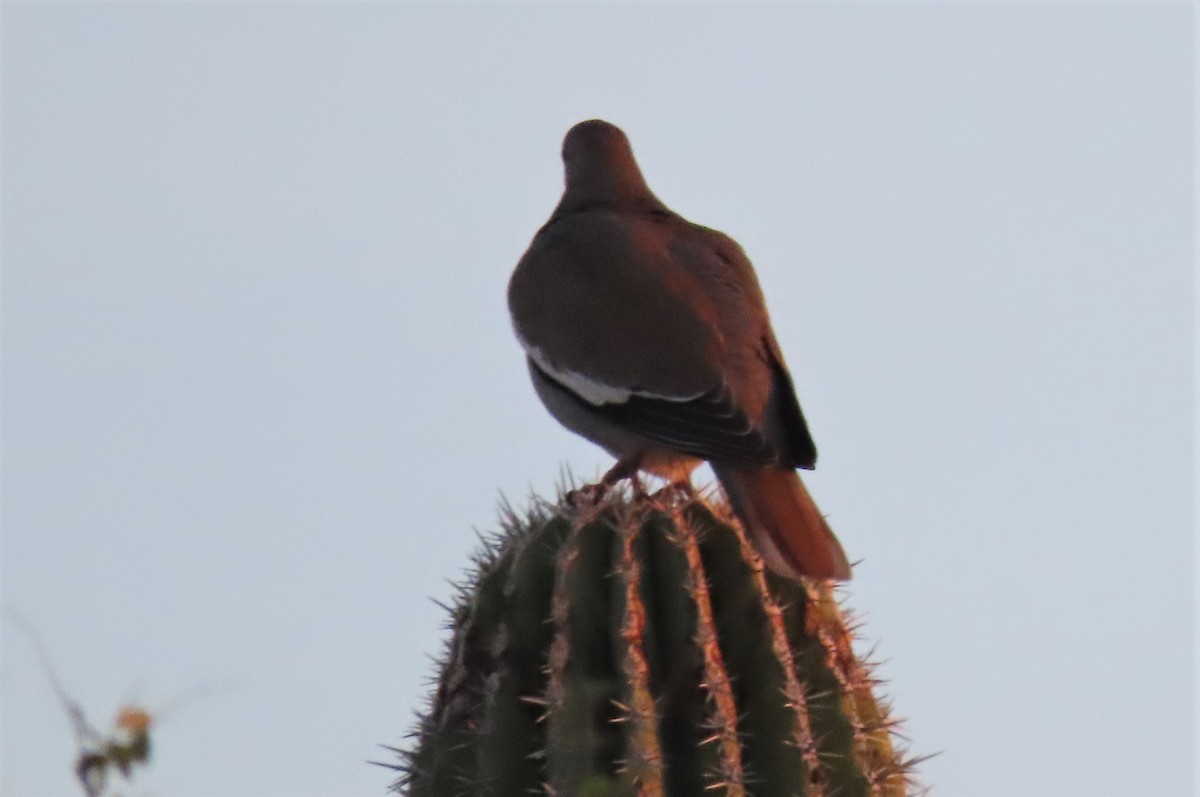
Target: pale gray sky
(260, 386)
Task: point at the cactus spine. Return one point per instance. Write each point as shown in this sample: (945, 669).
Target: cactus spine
(638, 648)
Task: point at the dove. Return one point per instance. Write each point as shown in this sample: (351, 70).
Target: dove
(649, 336)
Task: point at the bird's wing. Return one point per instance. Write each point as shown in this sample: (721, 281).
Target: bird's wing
(753, 364)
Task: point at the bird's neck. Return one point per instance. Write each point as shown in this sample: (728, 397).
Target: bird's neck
(614, 183)
(638, 201)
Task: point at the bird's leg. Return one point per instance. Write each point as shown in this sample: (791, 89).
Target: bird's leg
(626, 468)
(639, 489)
(593, 494)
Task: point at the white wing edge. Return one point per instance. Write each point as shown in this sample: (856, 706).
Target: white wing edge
(588, 389)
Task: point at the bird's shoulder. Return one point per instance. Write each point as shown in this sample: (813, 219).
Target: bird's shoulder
(605, 225)
(598, 282)
(609, 250)
(725, 265)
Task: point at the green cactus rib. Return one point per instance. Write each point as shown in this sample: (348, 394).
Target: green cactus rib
(643, 761)
(637, 648)
(729, 777)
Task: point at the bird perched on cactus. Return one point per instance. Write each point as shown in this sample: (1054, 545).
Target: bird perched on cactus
(639, 648)
(649, 335)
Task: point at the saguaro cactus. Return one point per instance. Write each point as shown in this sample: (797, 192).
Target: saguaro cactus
(638, 648)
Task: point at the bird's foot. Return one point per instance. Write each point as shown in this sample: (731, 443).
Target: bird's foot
(679, 491)
(587, 497)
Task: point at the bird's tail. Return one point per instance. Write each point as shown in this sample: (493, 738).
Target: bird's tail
(784, 522)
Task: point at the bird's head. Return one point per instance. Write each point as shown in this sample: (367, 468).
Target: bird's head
(600, 166)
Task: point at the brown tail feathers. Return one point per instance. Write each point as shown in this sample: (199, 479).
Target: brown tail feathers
(784, 522)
